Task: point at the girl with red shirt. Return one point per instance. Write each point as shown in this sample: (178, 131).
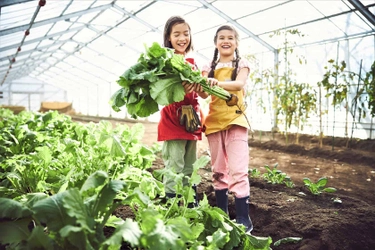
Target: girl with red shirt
(179, 150)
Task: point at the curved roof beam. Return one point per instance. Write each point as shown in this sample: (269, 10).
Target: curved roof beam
(115, 6)
(236, 24)
(54, 20)
(364, 11)
(50, 36)
(4, 3)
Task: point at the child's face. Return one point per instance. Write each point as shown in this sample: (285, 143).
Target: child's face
(180, 37)
(226, 42)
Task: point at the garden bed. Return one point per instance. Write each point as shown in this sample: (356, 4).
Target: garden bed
(281, 212)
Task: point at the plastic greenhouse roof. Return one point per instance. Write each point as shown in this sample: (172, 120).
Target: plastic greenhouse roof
(79, 44)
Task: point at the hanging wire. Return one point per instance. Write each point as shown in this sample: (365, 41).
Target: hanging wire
(27, 32)
(242, 111)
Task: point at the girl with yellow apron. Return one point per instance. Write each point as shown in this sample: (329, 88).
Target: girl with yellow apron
(226, 127)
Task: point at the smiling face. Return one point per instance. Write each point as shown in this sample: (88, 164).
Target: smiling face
(226, 43)
(180, 37)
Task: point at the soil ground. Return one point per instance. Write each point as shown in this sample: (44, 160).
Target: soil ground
(279, 212)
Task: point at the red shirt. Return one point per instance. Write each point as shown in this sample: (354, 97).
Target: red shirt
(169, 127)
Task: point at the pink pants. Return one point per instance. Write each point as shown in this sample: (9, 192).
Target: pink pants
(230, 160)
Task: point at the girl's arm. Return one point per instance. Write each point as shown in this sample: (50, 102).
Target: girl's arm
(236, 85)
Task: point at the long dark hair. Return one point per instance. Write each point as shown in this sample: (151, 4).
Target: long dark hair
(173, 20)
(216, 53)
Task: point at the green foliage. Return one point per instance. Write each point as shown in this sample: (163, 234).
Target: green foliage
(293, 101)
(75, 218)
(318, 187)
(287, 240)
(369, 82)
(342, 85)
(50, 153)
(336, 81)
(156, 80)
(255, 173)
(62, 195)
(276, 176)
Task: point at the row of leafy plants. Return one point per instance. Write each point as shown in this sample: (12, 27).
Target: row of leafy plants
(61, 181)
(293, 102)
(277, 177)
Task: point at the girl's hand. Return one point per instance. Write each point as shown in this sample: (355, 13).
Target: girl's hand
(188, 87)
(197, 87)
(212, 82)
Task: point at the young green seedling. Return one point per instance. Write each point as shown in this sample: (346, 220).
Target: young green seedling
(276, 176)
(318, 187)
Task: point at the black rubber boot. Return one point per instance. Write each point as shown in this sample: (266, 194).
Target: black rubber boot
(242, 213)
(195, 203)
(222, 199)
(170, 195)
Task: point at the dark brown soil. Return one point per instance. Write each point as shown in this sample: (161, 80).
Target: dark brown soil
(279, 212)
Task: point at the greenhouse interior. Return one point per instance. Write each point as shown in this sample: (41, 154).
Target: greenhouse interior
(71, 53)
(83, 89)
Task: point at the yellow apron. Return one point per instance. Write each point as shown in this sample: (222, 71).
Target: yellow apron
(221, 116)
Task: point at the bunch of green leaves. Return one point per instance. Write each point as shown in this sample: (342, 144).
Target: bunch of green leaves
(318, 187)
(156, 80)
(276, 176)
(255, 173)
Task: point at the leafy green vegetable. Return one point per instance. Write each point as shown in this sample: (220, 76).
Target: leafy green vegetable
(156, 80)
(287, 240)
(318, 187)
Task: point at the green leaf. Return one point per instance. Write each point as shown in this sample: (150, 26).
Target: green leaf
(76, 236)
(49, 116)
(307, 181)
(106, 196)
(258, 242)
(117, 149)
(12, 209)
(14, 231)
(330, 189)
(66, 179)
(32, 198)
(181, 225)
(128, 231)
(52, 212)
(118, 99)
(322, 182)
(218, 238)
(138, 197)
(156, 51)
(143, 108)
(160, 236)
(75, 208)
(95, 180)
(287, 240)
(167, 90)
(39, 239)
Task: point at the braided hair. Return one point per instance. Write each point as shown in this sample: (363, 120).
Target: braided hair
(172, 21)
(235, 61)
